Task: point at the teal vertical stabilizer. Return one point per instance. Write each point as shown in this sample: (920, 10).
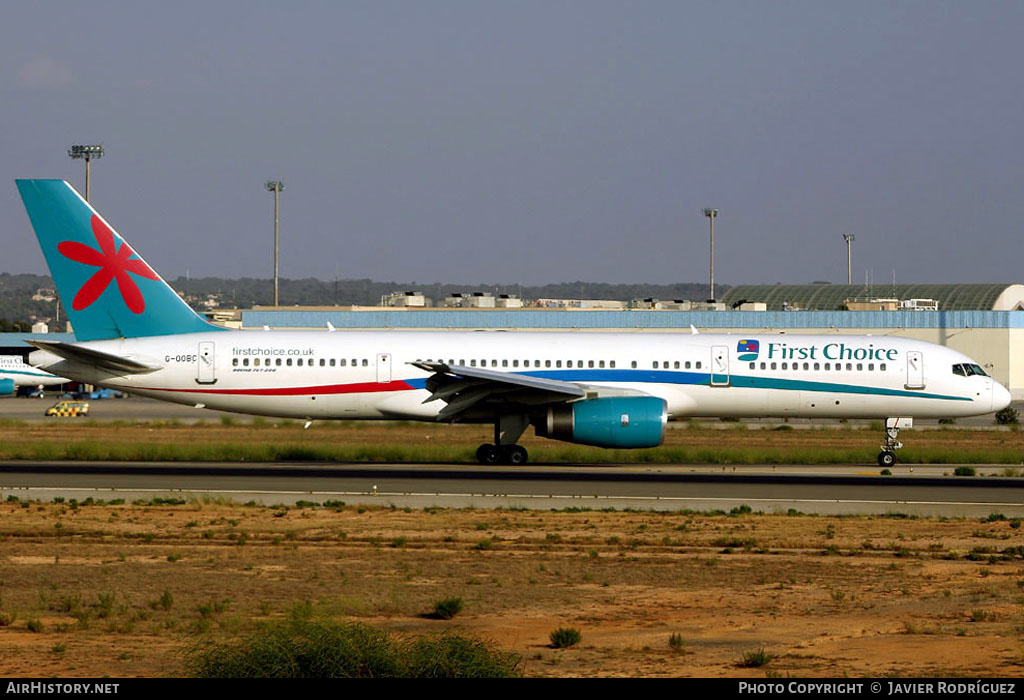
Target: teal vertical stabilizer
(107, 289)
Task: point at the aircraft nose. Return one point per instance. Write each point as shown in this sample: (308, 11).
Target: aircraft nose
(1000, 397)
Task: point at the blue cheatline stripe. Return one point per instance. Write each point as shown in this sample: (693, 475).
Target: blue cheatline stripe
(27, 374)
(645, 376)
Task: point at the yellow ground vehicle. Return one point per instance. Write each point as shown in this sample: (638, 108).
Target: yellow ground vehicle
(70, 409)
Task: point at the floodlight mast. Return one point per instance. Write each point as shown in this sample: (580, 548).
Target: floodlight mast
(849, 238)
(79, 151)
(711, 213)
(275, 186)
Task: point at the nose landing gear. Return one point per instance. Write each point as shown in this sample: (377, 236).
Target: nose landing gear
(887, 457)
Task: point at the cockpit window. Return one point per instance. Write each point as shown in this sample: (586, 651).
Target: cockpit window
(967, 370)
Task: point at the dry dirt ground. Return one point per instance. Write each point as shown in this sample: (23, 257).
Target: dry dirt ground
(122, 590)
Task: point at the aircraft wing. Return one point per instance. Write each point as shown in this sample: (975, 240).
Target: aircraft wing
(78, 355)
(467, 388)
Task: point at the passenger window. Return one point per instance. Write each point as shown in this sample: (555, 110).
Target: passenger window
(688, 365)
(600, 364)
(504, 363)
(515, 363)
(256, 362)
(288, 362)
(773, 365)
(590, 364)
(828, 366)
(860, 367)
(568, 363)
(655, 364)
(343, 362)
(547, 363)
(785, 365)
(611, 365)
(245, 362)
(871, 367)
(558, 363)
(472, 363)
(849, 366)
(234, 361)
(633, 364)
(324, 362)
(817, 366)
(752, 365)
(764, 365)
(882, 367)
(698, 364)
(494, 363)
(675, 365)
(365, 363)
(806, 366)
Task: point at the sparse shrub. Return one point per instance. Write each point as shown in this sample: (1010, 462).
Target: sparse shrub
(886, 472)
(6, 619)
(304, 649)
(964, 471)
(34, 625)
(676, 643)
(1007, 416)
(447, 608)
(980, 615)
(565, 637)
(484, 545)
(166, 600)
(755, 659)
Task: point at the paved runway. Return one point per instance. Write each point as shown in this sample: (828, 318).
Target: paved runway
(921, 490)
(819, 490)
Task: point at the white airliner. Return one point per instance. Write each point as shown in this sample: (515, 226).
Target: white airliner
(14, 373)
(605, 389)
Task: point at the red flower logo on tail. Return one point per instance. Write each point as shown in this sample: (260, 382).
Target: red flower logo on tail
(113, 263)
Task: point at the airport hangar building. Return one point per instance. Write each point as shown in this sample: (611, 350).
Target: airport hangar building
(984, 321)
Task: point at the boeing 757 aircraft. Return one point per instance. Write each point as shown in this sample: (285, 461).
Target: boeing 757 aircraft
(14, 373)
(607, 389)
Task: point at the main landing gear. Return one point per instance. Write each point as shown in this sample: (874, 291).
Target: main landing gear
(507, 429)
(887, 457)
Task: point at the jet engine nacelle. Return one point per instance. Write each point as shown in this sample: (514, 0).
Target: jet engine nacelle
(622, 421)
(6, 386)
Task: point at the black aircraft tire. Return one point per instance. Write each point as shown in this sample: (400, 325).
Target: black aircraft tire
(487, 454)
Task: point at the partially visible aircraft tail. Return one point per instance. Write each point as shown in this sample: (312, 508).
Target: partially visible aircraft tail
(108, 290)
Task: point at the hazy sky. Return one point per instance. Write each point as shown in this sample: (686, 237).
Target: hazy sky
(526, 141)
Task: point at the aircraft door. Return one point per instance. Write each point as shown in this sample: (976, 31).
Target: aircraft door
(205, 367)
(915, 370)
(719, 366)
(383, 368)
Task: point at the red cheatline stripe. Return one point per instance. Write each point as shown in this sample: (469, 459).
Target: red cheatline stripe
(366, 387)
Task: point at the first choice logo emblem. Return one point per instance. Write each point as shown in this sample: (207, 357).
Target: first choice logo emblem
(114, 263)
(747, 350)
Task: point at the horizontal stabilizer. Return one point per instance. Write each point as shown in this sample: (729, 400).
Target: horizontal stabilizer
(93, 358)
